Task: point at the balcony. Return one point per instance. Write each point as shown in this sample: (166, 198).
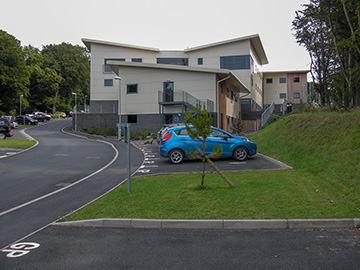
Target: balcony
(183, 98)
(174, 104)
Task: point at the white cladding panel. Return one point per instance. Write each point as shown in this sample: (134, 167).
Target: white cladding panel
(274, 89)
(150, 82)
(211, 55)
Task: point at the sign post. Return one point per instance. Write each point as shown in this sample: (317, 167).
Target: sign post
(127, 141)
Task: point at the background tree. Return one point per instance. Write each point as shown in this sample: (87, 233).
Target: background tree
(311, 32)
(198, 127)
(14, 74)
(330, 32)
(73, 65)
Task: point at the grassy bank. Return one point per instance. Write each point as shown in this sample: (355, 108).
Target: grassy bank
(19, 144)
(323, 148)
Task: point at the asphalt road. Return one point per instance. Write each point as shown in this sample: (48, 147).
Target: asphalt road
(114, 248)
(56, 177)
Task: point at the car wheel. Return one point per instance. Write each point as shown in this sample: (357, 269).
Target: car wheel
(176, 156)
(240, 153)
(2, 136)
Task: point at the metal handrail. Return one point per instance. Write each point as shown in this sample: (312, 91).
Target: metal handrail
(266, 114)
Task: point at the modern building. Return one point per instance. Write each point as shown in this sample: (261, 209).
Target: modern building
(285, 87)
(153, 87)
(157, 87)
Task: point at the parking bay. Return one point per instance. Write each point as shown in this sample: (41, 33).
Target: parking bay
(155, 164)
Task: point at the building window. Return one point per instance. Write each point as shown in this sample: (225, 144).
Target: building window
(173, 61)
(200, 61)
(269, 80)
(227, 92)
(283, 95)
(235, 62)
(108, 82)
(282, 80)
(137, 60)
(296, 79)
(107, 68)
(132, 119)
(221, 87)
(132, 88)
(296, 95)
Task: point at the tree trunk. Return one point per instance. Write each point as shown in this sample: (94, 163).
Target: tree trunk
(214, 166)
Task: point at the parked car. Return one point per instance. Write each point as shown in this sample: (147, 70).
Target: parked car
(10, 119)
(40, 117)
(176, 142)
(165, 129)
(60, 114)
(27, 120)
(70, 113)
(4, 128)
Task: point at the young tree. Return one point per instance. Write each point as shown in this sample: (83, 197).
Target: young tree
(198, 127)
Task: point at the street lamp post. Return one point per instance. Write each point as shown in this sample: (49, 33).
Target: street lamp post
(85, 103)
(75, 109)
(20, 110)
(119, 108)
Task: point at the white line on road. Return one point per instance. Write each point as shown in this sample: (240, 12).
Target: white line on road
(64, 188)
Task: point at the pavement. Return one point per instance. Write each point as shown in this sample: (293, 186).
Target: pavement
(191, 224)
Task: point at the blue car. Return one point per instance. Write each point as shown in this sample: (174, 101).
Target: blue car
(176, 142)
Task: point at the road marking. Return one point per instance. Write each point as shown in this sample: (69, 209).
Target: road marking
(144, 171)
(237, 163)
(64, 188)
(61, 155)
(149, 166)
(20, 249)
(149, 161)
(62, 184)
(92, 158)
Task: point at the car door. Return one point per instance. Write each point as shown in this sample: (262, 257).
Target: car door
(186, 142)
(219, 138)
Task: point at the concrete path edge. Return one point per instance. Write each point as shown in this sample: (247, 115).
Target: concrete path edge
(215, 224)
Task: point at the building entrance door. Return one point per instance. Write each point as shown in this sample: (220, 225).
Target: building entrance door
(169, 91)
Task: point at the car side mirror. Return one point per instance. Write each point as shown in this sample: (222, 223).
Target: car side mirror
(225, 137)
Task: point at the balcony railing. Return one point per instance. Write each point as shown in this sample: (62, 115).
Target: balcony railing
(181, 97)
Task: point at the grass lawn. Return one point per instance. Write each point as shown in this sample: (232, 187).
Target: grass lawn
(20, 144)
(323, 148)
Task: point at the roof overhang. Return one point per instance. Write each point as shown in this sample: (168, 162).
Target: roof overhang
(89, 42)
(221, 72)
(286, 71)
(254, 39)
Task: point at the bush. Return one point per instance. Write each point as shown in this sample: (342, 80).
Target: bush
(139, 135)
(100, 131)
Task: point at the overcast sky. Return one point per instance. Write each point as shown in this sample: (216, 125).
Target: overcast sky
(163, 24)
